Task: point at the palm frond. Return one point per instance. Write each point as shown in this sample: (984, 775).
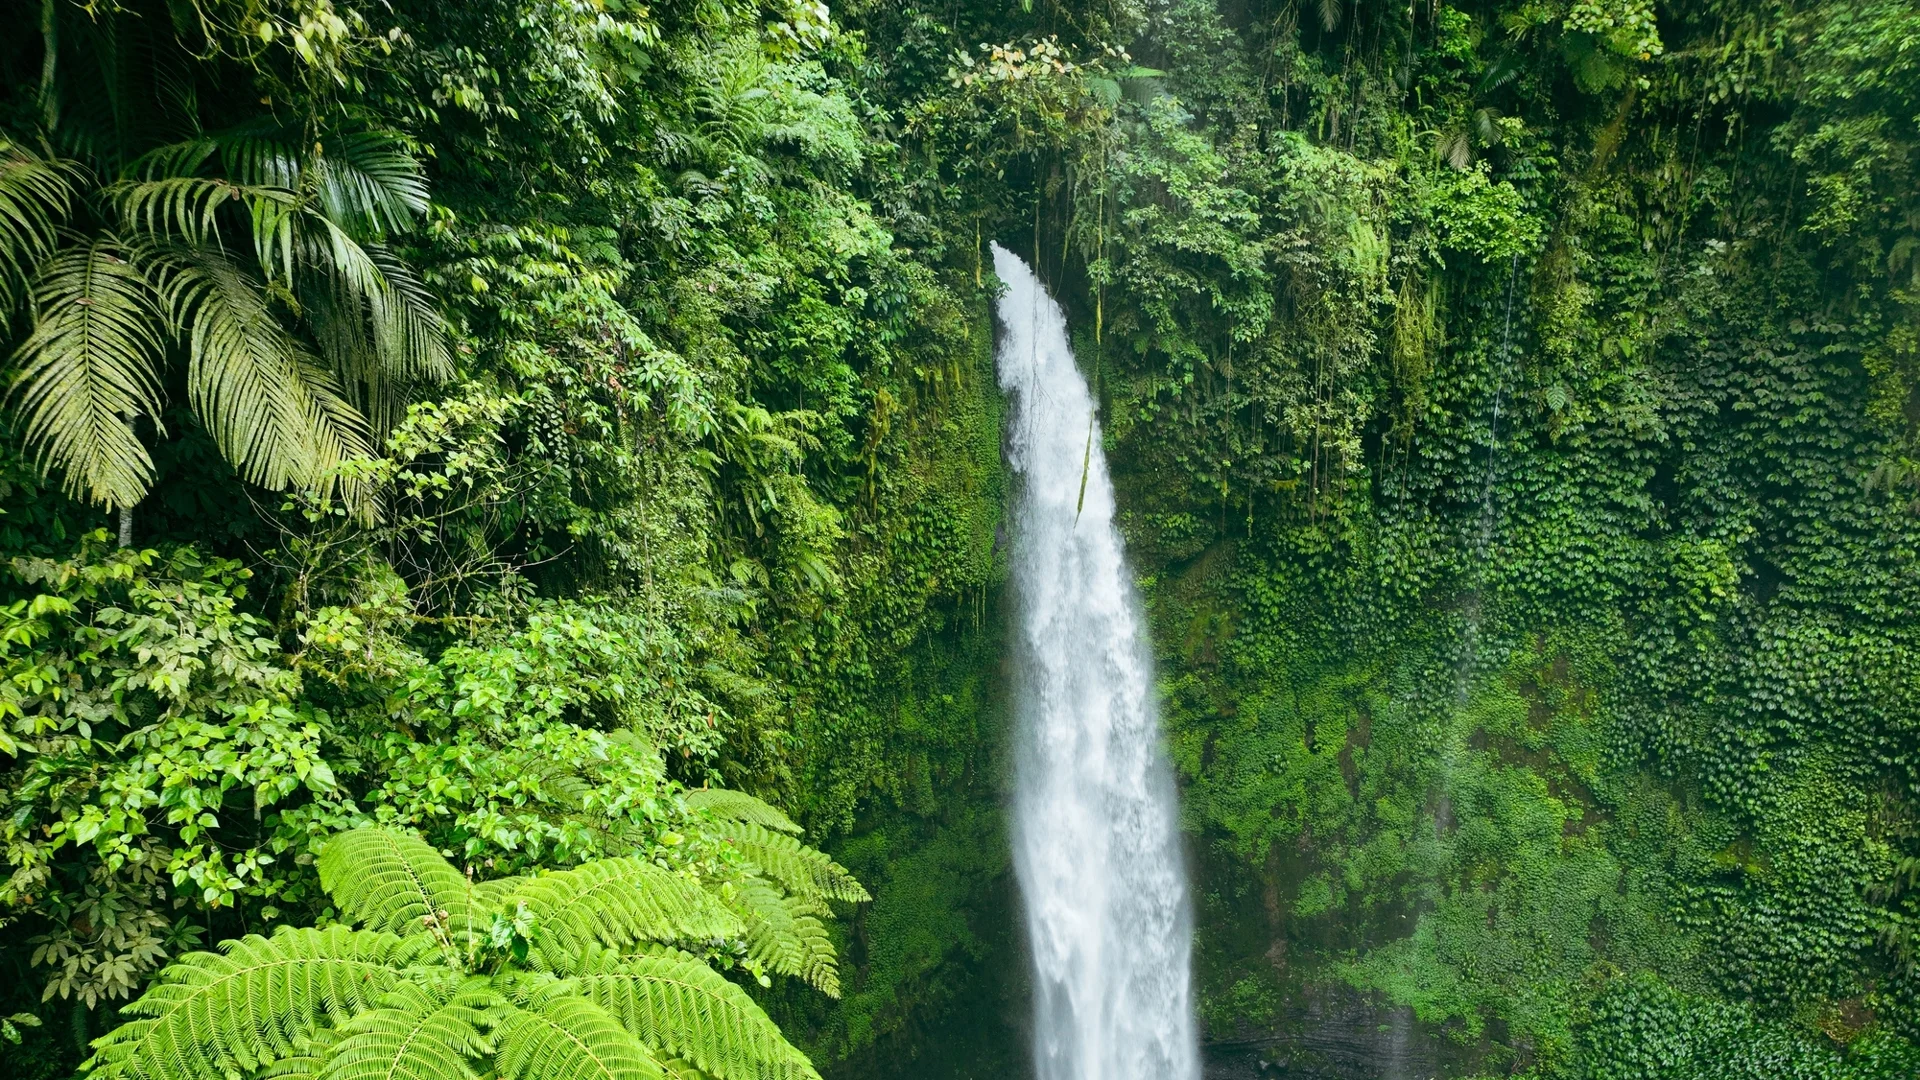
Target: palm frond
(211, 1015)
(416, 334)
(260, 153)
(89, 366)
(375, 320)
(369, 182)
(187, 209)
(618, 903)
(172, 207)
(802, 869)
(674, 1002)
(433, 1031)
(36, 195)
(273, 411)
(168, 194)
(740, 806)
(563, 1035)
(392, 880)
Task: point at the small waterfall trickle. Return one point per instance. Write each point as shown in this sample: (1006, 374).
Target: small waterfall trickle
(1096, 840)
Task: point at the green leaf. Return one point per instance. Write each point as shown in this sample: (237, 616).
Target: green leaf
(212, 1014)
(89, 366)
(36, 195)
(392, 880)
(275, 413)
(801, 869)
(617, 903)
(559, 1036)
(671, 1001)
(433, 1031)
(740, 806)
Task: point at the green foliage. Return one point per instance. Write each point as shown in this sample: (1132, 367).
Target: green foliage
(664, 997)
(451, 993)
(616, 903)
(386, 880)
(135, 252)
(1511, 406)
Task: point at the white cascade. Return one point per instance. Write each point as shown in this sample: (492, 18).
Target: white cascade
(1096, 840)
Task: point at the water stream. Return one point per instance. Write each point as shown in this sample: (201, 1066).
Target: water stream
(1096, 843)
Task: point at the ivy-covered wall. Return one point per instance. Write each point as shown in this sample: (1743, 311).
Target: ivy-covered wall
(1529, 540)
(1512, 411)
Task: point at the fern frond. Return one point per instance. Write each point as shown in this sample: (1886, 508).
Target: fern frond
(392, 880)
(561, 1036)
(306, 1060)
(803, 870)
(786, 935)
(814, 959)
(36, 195)
(740, 806)
(89, 366)
(680, 1005)
(490, 896)
(617, 903)
(209, 1015)
(769, 925)
(430, 1031)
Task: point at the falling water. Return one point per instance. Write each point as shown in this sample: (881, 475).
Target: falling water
(1096, 846)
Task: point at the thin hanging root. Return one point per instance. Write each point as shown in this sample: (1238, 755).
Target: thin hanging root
(1086, 462)
(976, 252)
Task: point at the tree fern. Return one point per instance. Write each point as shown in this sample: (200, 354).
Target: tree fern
(672, 1001)
(558, 1035)
(212, 1014)
(492, 895)
(679, 1069)
(428, 1030)
(785, 935)
(801, 869)
(812, 955)
(307, 1059)
(618, 903)
(392, 880)
(422, 995)
(740, 806)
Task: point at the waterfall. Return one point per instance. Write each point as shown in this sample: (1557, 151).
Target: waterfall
(1096, 844)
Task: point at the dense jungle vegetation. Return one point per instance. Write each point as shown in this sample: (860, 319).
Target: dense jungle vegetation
(467, 464)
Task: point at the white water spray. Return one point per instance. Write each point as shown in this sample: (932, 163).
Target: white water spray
(1096, 845)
